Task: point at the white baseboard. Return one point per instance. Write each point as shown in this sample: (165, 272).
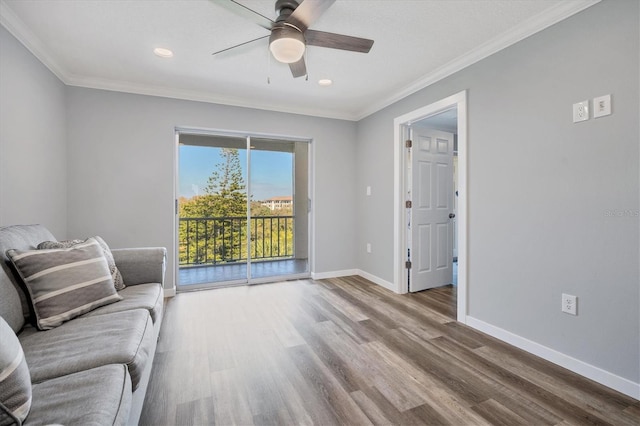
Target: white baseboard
(333, 274)
(349, 272)
(589, 371)
(170, 292)
(377, 280)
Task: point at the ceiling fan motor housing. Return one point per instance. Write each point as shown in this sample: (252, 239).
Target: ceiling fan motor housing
(284, 8)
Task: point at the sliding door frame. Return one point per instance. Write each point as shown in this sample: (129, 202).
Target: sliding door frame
(247, 136)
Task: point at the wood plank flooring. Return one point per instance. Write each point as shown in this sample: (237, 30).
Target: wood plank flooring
(345, 351)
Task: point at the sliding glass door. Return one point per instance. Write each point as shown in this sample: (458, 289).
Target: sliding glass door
(278, 215)
(242, 210)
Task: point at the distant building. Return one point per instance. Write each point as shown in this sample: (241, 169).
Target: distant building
(277, 203)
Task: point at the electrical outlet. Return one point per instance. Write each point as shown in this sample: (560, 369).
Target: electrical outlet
(580, 111)
(569, 304)
(368, 247)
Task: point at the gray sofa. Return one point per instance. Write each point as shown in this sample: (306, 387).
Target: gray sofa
(93, 369)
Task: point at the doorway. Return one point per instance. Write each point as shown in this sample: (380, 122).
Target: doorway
(402, 217)
(242, 209)
(431, 214)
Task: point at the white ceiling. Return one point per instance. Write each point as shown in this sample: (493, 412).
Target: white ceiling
(108, 44)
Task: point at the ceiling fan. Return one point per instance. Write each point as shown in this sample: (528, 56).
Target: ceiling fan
(290, 33)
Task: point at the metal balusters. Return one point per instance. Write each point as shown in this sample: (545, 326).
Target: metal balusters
(218, 240)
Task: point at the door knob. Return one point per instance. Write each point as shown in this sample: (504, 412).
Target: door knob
(452, 215)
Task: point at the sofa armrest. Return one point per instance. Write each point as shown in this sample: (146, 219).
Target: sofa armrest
(141, 265)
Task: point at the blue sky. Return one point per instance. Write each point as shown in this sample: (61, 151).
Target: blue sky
(271, 174)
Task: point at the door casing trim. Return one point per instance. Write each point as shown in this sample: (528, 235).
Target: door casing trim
(459, 101)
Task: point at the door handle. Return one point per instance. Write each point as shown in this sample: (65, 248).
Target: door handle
(452, 215)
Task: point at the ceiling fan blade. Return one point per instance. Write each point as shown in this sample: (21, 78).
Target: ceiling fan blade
(238, 45)
(337, 41)
(307, 12)
(245, 12)
(298, 69)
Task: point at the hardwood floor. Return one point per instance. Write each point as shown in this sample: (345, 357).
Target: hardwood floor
(345, 351)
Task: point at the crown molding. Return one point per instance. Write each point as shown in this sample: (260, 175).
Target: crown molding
(20, 31)
(535, 24)
(199, 96)
(33, 44)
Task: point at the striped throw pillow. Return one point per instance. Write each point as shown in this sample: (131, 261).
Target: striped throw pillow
(15, 381)
(118, 282)
(65, 283)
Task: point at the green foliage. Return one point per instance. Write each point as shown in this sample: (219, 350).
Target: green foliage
(257, 209)
(213, 226)
(226, 186)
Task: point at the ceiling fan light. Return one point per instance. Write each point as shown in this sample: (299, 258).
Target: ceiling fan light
(286, 44)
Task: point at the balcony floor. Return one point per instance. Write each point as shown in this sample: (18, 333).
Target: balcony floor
(219, 274)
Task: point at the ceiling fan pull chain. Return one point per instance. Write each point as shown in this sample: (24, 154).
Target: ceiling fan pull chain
(268, 67)
(306, 60)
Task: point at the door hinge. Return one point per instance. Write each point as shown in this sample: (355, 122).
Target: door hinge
(408, 143)
(407, 204)
(176, 206)
(407, 264)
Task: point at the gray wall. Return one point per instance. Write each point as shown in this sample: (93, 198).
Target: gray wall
(121, 147)
(540, 187)
(33, 156)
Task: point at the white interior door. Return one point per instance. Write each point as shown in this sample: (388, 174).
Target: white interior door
(454, 221)
(430, 225)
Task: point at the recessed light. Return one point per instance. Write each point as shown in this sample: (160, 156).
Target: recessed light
(162, 52)
(325, 82)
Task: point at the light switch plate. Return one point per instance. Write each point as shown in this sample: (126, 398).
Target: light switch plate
(581, 111)
(601, 106)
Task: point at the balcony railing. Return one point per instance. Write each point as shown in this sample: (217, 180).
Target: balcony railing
(222, 240)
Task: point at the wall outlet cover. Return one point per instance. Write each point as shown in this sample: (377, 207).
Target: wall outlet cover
(569, 304)
(581, 111)
(601, 106)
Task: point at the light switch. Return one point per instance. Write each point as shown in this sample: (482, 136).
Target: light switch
(601, 106)
(581, 111)
(368, 190)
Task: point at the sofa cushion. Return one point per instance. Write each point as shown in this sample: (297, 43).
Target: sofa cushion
(84, 343)
(140, 296)
(10, 303)
(99, 396)
(65, 283)
(115, 273)
(20, 237)
(15, 382)
(141, 265)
